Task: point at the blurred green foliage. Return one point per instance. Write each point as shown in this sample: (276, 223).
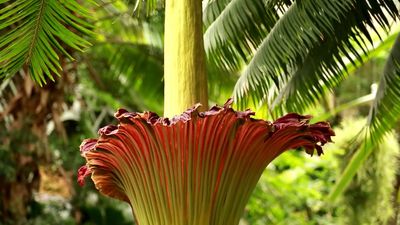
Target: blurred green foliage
(369, 198)
(86, 206)
(292, 191)
(121, 68)
(294, 187)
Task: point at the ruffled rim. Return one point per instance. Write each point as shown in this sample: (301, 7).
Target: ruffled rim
(289, 132)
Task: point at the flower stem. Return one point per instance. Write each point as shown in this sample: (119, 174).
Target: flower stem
(184, 57)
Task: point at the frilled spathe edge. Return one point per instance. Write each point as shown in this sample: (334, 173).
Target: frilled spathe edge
(132, 141)
(319, 133)
(153, 119)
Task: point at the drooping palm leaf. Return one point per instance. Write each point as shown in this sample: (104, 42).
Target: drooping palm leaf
(129, 72)
(35, 32)
(212, 9)
(303, 85)
(385, 111)
(323, 68)
(295, 39)
(233, 36)
(127, 64)
(383, 116)
(297, 31)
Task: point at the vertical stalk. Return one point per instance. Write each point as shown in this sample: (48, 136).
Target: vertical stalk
(184, 58)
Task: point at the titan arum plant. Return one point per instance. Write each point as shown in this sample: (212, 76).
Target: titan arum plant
(200, 167)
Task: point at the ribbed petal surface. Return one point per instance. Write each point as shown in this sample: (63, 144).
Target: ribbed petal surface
(193, 169)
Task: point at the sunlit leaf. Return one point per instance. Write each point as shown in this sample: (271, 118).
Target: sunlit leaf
(35, 33)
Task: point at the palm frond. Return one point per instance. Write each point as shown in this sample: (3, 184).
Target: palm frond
(129, 56)
(134, 70)
(297, 31)
(220, 83)
(35, 32)
(304, 87)
(385, 111)
(212, 9)
(384, 115)
(235, 29)
(310, 41)
(322, 70)
(310, 82)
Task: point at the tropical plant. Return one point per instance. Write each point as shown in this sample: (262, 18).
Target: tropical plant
(35, 32)
(190, 169)
(197, 168)
(294, 51)
(369, 198)
(38, 38)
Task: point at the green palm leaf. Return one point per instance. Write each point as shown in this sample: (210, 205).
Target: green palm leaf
(34, 33)
(306, 32)
(129, 72)
(385, 111)
(128, 63)
(323, 68)
(212, 9)
(296, 32)
(235, 37)
(383, 116)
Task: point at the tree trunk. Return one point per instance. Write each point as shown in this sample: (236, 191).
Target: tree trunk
(23, 139)
(17, 184)
(184, 57)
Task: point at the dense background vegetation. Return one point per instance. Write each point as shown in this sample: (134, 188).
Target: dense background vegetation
(336, 60)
